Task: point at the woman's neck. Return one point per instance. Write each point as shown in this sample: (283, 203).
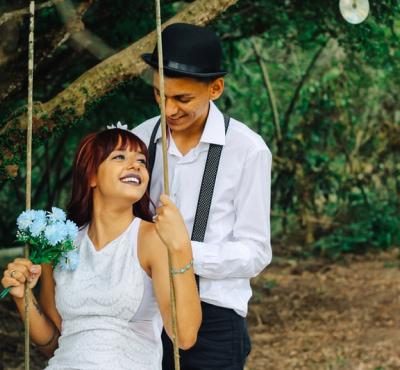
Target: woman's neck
(107, 225)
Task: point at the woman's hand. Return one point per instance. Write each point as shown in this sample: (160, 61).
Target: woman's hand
(17, 273)
(170, 226)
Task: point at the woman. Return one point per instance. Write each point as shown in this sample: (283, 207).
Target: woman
(104, 314)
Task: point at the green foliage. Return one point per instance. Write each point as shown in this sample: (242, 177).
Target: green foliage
(368, 226)
(336, 85)
(339, 131)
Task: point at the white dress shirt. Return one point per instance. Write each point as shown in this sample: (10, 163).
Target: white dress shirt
(237, 245)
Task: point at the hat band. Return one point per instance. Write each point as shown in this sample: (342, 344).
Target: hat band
(184, 67)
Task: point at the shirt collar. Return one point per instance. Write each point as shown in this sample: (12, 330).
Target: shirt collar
(214, 130)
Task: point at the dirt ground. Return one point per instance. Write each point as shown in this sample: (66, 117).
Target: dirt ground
(316, 315)
(304, 314)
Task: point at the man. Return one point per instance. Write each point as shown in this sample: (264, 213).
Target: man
(236, 244)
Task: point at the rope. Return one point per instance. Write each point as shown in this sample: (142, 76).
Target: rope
(29, 169)
(166, 182)
(29, 164)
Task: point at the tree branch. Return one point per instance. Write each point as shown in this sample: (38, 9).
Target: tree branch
(20, 12)
(70, 105)
(72, 29)
(296, 94)
(271, 94)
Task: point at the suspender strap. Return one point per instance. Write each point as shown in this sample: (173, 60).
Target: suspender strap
(207, 184)
(152, 151)
(207, 189)
(206, 193)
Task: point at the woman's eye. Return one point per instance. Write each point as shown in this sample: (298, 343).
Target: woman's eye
(120, 156)
(143, 161)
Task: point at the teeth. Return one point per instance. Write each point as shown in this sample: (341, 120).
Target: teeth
(131, 179)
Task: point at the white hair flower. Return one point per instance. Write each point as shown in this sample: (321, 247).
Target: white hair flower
(119, 125)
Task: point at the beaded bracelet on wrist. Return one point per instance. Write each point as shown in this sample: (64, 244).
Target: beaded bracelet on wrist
(182, 271)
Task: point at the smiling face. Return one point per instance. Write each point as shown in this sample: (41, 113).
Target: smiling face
(122, 176)
(187, 101)
(92, 151)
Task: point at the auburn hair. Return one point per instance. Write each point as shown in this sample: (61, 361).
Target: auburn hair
(90, 153)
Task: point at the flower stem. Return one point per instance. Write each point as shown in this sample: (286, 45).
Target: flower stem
(5, 292)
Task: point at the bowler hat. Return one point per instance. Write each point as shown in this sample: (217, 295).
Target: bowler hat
(188, 51)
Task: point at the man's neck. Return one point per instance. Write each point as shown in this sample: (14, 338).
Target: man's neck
(185, 141)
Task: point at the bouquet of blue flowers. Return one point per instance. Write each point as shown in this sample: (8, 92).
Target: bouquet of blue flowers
(50, 236)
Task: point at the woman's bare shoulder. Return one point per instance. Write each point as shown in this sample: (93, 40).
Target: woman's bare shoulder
(150, 247)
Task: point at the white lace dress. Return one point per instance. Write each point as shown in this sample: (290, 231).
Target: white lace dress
(110, 315)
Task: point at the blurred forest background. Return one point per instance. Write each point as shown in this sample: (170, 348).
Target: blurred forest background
(323, 94)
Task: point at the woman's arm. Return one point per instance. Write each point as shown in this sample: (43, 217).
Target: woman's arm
(44, 332)
(169, 234)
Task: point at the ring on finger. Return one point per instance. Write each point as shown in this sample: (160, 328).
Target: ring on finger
(155, 217)
(12, 273)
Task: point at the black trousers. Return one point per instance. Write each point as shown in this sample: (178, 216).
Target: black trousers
(223, 343)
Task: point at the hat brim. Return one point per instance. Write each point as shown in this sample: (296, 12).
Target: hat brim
(173, 72)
